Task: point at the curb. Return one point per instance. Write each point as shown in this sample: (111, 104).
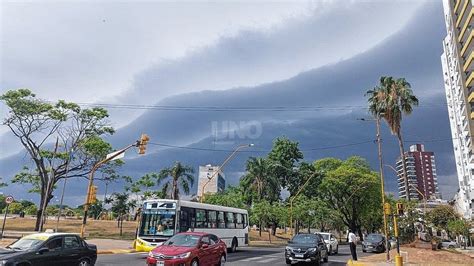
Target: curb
(115, 251)
(351, 262)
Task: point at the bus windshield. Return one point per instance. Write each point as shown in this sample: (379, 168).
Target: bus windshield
(157, 223)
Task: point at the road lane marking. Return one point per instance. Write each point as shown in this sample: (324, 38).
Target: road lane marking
(268, 260)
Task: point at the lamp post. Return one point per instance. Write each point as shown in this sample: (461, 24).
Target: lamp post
(293, 198)
(379, 144)
(141, 144)
(413, 186)
(221, 166)
(64, 188)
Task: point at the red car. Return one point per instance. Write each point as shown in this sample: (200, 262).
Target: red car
(189, 249)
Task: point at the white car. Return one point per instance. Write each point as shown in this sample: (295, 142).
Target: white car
(331, 242)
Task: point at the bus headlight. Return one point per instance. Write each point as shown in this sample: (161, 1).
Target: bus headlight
(182, 256)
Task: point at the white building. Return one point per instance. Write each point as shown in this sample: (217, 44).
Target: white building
(457, 61)
(214, 185)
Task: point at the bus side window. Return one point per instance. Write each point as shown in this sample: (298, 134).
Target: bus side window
(245, 220)
(220, 220)
(201, 219)
(211, 219)
(230, 222)
(239, 221)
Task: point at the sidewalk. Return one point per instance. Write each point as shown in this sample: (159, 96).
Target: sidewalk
(418, 256)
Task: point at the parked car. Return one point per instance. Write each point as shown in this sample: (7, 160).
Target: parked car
(306, 248)
(189, 249)
(331, 242)
(449, 244)
(49, 249)
(374, 243)
(392, 241)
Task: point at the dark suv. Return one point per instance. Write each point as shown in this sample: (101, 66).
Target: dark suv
(306, 248)
(375, 243)
(49, 249)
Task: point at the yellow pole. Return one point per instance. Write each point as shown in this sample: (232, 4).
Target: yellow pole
(294, 197)
(398, 258)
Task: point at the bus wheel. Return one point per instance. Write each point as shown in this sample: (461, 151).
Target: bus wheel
(233, 247)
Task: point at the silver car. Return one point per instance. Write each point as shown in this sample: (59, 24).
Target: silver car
(449, 244)
(331, 242)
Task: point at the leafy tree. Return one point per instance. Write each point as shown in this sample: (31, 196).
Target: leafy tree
(459, 228)
(352, 189)
(389, 100)
(31, 210)
(2, 184)
(179, 176)
(121, 206)
(38, 123)
(262, 213)
(284, 156)
(259, 183)
(231, 197)
(440, 216)
(14, 208)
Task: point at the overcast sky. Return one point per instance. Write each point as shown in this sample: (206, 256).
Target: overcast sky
(230, 53)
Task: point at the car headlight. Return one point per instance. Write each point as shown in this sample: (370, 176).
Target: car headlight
(312, 249)
(288, 249)
(182, 256)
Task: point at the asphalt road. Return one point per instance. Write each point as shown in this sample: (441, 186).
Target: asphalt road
(247, 256)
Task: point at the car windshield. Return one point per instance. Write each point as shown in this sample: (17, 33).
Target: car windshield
(26, 244)
(374, 238)
(325, 236)
(182, 241)
(305, 239)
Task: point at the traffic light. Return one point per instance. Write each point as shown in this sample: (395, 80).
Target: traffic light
(142, 143)
(400, 209)
(93, 195)
(387, 208)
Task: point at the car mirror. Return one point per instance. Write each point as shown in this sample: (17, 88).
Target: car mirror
(289, 241)
(43, 250)
(204, 246)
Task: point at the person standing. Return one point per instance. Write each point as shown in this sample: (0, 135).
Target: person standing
(353, 244)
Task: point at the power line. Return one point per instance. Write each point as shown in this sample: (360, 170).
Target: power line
(237, 108)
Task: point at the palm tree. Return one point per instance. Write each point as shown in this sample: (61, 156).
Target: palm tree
(389, 100)
(181, 175)
(259, 178)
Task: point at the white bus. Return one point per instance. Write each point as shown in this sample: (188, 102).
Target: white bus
(160, 219)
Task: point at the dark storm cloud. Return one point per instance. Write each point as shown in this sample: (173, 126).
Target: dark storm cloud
(412, 53)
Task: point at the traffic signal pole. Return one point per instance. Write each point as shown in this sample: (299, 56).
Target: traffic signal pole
(139, 143)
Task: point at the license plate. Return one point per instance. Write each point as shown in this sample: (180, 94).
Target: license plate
(160, 263)
(299, 255)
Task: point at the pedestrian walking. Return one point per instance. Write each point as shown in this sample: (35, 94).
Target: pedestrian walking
(353, 244)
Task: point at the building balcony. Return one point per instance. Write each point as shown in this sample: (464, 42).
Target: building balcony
(470, 82)
(461, 12)
(466, 25)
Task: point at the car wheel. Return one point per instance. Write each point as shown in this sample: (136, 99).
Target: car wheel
(330, 250)
(233, 247)
(195, 263)
(222, 260)
(326, 259)
(84, 262)
(288, 262)
(317, 262)
(450, 246)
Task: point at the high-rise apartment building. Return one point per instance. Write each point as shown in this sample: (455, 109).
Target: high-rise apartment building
(216, 184)
(421, 173)
(458, 65)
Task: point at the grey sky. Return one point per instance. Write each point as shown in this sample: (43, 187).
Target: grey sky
(322, 53)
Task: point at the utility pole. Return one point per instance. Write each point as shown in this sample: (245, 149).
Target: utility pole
(379, 144)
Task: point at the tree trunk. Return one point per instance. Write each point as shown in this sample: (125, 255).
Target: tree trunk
(404, 164)
(38, 219)
(274, 228)
(260, 227)
(175, 189)
(121, 225)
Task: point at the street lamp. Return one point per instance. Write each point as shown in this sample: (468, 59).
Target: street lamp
(64, 188)
(294, 197)
(222, 165)
(413, 186)
(379, 144)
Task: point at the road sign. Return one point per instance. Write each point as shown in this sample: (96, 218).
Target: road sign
(9, 199)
